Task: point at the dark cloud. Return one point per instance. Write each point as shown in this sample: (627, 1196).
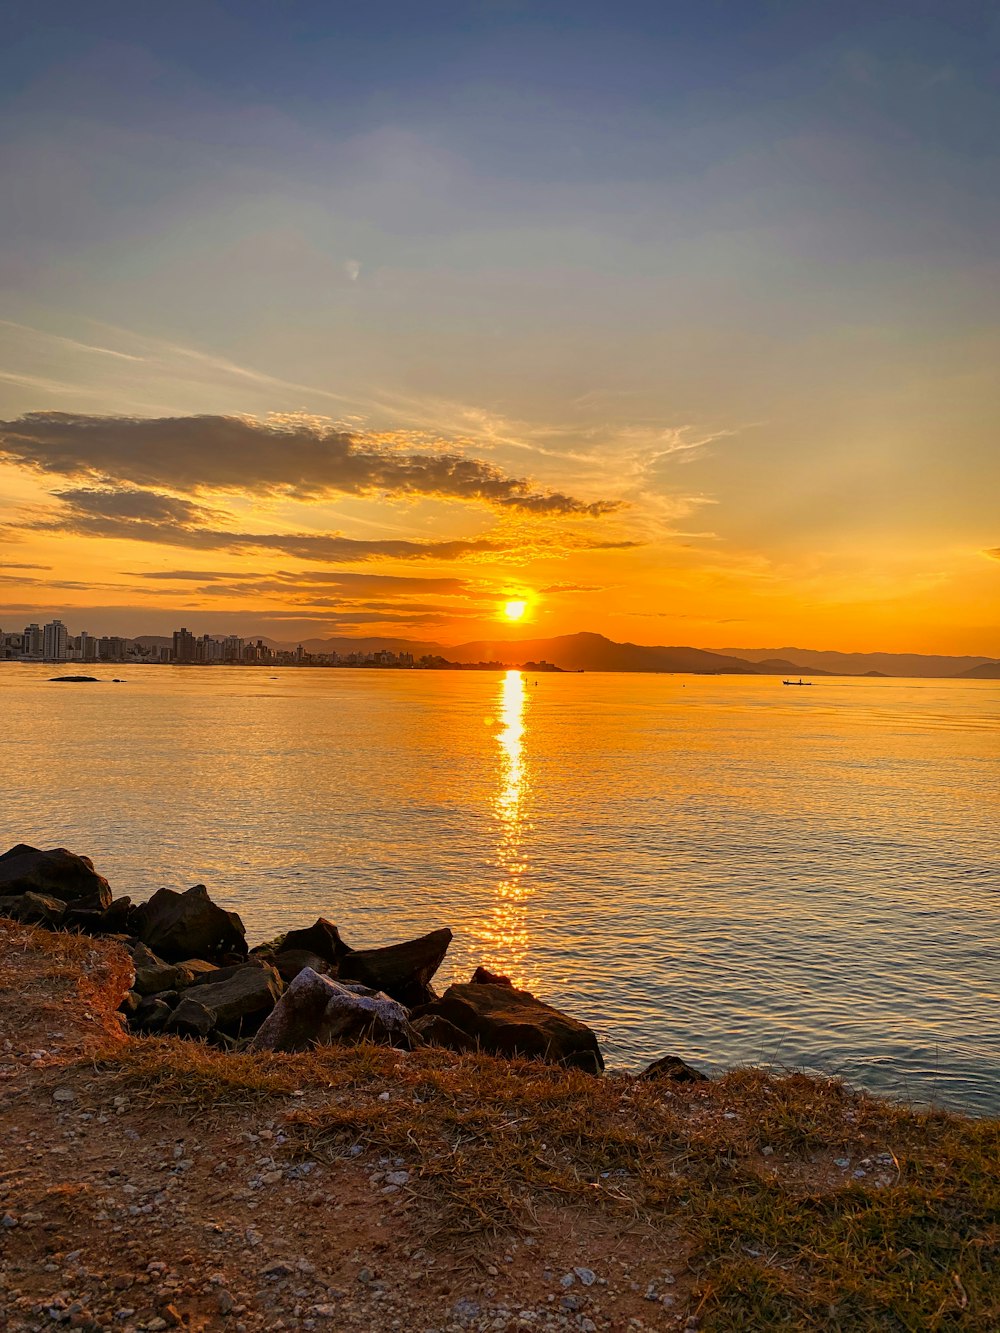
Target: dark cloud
(12, 564)
(288, 580)
(288, 457)
(147, 516)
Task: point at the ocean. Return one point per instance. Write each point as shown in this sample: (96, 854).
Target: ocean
(721, 868)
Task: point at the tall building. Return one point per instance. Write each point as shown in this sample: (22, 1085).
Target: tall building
(87, 647)
(32, 641)
(184, 646)
(55, 641)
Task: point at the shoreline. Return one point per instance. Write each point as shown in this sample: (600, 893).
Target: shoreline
(158, 1182)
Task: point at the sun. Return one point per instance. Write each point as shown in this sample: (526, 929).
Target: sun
(514, 610)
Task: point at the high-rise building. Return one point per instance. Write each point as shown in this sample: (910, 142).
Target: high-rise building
(55, 641)
(86, 647)
(32, 641)
(185, 645)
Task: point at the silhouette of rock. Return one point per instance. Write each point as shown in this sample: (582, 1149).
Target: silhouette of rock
(435, 1030)
(74, 680)
(484, 977)
(402, 971)
(675, 1069)
(152, 1014)
(321, 938)
(56, 873)
(236, 1001)
(507, 1021)
(290, 963)
(318, 1011)
(178, 926)
(33, 909)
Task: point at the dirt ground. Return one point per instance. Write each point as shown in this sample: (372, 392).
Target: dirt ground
(118, 1213)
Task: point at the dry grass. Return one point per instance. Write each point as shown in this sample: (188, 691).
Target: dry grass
(782, 1240)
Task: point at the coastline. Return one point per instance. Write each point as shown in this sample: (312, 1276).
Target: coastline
(156, 1182)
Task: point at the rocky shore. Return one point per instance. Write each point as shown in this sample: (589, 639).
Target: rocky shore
(200, 1135)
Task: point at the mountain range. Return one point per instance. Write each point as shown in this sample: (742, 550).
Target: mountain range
(595, 652)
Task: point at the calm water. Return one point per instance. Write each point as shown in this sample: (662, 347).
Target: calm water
(718, 867)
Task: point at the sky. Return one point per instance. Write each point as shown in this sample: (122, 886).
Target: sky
(675, 322)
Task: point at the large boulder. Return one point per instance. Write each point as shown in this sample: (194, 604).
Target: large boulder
(178, 926)
(435, 1030)
(318, 1011)
(402, 971)
(33, 909)
(236, 1000)
(507, 1021)
(56, 873)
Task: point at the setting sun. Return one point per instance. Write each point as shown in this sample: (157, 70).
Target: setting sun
(514, 610)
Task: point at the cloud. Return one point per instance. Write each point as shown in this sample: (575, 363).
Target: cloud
(290, 580)
(293, 456)
(148, 516)
(993, 553)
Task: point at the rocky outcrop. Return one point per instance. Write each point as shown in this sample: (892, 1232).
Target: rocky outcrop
(177, 926)
(506, 1021)
(56, 873)
(402, 971)
(233, 1001)
(674, 1069)
(318, 1011)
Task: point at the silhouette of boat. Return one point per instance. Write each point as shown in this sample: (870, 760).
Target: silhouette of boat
(796, 682)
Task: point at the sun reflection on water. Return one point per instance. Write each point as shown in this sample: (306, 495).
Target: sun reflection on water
(507, 933)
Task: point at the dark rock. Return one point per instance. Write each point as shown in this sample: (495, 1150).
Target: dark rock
(437, 1031)
(117, 918)
(318, 1011)
(152, 974)
(75, 680)
(507, 1021)
(56, 873)
(194, 971)
(675, 1069)
(130, 1005)
(84, 920)
(236, 1003)
(402, 971)
(290, 963)
(321, 938)
(152, 1015)
(33, 909)
(484, 977)
(178, 926)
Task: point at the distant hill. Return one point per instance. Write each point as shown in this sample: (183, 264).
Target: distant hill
(780, 666)
(987, 671)
(859, 664)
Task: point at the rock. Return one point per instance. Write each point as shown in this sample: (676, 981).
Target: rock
(64, 1095)
(130, 1005)
(33, 909)
(290, 963)
(84, 920)
(402, 971)
(152, 974)
(118, 916)
(236, 1003)
(435, 1030)
(508, 1021)
(194, 971)
(321, 938)
(152, 1014)
(189, 925)
(675, 1069)
(56, 873)
(318, 1011)
(484, 977)
(74, 680)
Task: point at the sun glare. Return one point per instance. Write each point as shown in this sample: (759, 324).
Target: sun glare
(514, 610)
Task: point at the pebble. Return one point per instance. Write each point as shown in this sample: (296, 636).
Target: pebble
(397, 1178)
(64, 1095)
(586, 1275)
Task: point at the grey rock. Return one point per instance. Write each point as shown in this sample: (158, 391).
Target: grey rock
(318, 1011)
(234, 1004)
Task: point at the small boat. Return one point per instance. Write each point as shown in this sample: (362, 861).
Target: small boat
(796, 682)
